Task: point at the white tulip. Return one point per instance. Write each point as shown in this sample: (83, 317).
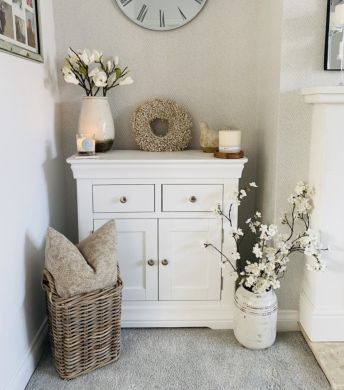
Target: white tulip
(92, 72)
(96, 55)
(127, 81)
(87, 57)
(70, 78)
(109, 65)
(66, 69)
(116, 61)
(100, 79)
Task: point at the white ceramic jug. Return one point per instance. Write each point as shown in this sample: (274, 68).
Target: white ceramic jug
(255, 318)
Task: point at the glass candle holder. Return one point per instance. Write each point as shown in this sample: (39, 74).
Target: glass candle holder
(86, 145)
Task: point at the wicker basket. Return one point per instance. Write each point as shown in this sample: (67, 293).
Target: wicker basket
(85, 330)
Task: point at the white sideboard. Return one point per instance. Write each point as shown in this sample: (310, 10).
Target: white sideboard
(163, 206)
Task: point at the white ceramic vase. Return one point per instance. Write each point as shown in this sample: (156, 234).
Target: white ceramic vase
(255, 318)
(96, 120)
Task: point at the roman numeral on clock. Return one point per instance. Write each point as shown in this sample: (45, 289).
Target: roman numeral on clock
(162, 18)
(125, 2)
(182, 13)
(199, 2)
(141, 16)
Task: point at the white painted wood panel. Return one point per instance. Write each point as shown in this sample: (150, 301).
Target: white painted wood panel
(137, 244)
(127, 198)
(190, 285)
(192, 272)
(194, 197)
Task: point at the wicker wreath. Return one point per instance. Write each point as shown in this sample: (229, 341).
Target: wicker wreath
(179, 126)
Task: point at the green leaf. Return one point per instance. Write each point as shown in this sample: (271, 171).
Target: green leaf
(82, 70)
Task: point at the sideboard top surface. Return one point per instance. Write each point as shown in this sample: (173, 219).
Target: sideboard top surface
(135, 164)
(135, 156)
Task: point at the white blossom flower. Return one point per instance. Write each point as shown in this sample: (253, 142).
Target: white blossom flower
(127, 81)
(300, 188)
(92, 71)
(66, 69)
(242, 194)
(116, 61)
(253, 184)
(100, 79)
(275, 284)
(257, 251)
(258, 214)
(270, 253)
(236, 232)
(96, 55)
(70, 78)
(234, 199)
(86, 57)
(234, 256)
(217, 210)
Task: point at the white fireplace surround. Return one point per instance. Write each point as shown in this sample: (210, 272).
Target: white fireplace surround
(322, 296)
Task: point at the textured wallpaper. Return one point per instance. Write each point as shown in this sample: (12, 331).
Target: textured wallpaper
(240, 63)
(208, 66)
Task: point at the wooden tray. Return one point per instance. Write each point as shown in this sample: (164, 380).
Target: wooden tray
(224, 155)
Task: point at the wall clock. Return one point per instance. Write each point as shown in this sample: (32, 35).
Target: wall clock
(161, 15)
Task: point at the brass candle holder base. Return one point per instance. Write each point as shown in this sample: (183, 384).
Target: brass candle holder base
(229, 156)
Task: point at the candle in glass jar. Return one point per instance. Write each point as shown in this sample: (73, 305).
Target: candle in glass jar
(230, 141)
(85, 144)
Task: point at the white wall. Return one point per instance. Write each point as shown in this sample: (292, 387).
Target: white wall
(209, 66)
(32, 198)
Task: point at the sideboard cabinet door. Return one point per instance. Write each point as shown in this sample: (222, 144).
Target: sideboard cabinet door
(137, 257)
(188, 271)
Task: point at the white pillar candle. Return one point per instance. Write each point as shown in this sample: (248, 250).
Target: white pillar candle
(230, 141)
(339, 15)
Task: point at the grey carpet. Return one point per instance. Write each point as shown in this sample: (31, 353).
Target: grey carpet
(195, 359)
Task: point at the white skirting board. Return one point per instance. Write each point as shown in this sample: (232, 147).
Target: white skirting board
(287, 322)
(28, 365)
(321, 325)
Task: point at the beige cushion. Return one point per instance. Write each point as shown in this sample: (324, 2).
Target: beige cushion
(89, 266)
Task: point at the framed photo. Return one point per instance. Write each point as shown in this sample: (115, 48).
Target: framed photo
(20, 28)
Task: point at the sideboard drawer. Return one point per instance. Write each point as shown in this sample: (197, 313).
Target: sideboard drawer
(127, 198)
(193, 197)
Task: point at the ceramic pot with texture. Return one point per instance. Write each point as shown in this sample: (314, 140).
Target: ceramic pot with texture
(96, 120)
(255, 318)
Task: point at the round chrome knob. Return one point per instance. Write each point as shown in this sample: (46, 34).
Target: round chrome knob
(164, 262)
(193, 199)
(123, 199)
(151, 262)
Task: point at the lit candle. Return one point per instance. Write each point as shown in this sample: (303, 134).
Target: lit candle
(230, 141)
(339, 15)
(85, 144)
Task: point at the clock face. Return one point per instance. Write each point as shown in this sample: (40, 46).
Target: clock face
(161, 14)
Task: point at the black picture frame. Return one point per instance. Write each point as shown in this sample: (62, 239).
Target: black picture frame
(327, 32)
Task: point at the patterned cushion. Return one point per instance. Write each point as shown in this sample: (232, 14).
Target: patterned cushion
(89, 266)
